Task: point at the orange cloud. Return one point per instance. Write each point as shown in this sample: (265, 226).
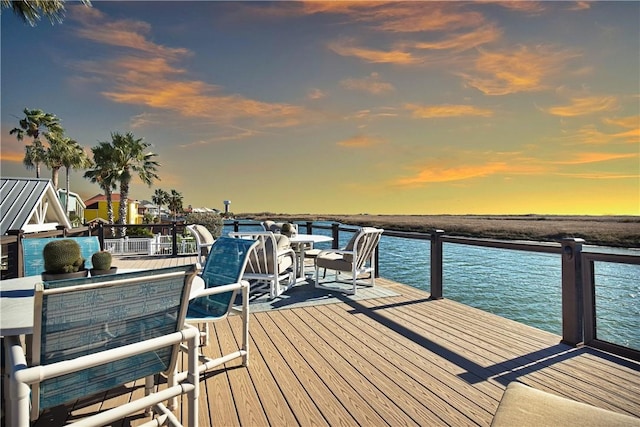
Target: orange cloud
(125, 33)
(583, 158)
(439, 111)
(631, 122)
(522, 6)
(148, 77)
(360, 141)
(371, 84)
(465, 41)
(346, 48)
(523, 70)
(585, 106)
(433, 173)
(401, 17)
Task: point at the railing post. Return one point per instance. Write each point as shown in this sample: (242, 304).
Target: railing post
(174, 240)
(236, 225)
(335, 233)
(309, 227)
(101, 234)
(572, 292)
(436, 264)
(18, 268)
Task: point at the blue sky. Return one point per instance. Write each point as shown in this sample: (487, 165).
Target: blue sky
(347, 107)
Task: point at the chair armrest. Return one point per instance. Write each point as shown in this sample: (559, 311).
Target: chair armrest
(335, 251)
(221, 289)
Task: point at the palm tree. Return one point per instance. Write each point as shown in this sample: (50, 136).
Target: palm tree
(175, 203)
(34, 155)
(75, 157)
(34, 124)
(58, 149)
(31, 11)
(104, 173)
(130, 159)
(159, 198)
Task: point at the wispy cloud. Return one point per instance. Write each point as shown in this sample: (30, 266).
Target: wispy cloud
(433, 173)
(585, 158)
(465, 41)
(360, 141)
(522, 70)
(147, 75)
(440, 111)
(371, 84)
(584, 106)
(316, 93)
(348, 47)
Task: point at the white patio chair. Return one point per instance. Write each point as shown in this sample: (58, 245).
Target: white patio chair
(95, 334)
(204, 240)
(357, 258)
(222, 276)
(273, 265)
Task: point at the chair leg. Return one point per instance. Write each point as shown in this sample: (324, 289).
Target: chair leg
(245, 324)
(149, 385)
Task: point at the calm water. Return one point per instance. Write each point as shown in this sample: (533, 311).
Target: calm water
(518, 285)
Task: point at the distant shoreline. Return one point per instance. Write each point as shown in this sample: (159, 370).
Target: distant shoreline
(615, 230)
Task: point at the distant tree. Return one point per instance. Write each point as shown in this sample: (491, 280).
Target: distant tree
(37, 123)
(160, 198)
(175, 203)
(74, 157)
(34, 155)
(31, 11)
(213, 221)
(104, 173)
(131, 159)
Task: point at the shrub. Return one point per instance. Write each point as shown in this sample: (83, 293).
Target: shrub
(212, 221)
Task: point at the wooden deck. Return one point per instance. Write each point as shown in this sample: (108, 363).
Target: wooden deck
(402, 360)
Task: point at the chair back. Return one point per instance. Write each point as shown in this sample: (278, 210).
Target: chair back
(204, 239)
(78, 317)
(363, 244)
(225, 264)
(264, 260)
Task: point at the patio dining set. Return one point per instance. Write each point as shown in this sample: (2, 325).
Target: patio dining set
(69, 339)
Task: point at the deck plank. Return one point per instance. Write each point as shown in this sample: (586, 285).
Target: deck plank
(398, 360)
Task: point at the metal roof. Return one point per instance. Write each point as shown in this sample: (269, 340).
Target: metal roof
(29, 204)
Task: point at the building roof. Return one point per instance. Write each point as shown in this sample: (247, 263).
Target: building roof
(30, 204)
(115, 197)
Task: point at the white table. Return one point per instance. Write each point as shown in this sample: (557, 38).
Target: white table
(300, 242)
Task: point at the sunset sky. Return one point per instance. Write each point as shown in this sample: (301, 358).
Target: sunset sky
(347, 107)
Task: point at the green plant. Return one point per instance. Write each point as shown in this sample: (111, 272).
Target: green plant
(101, 260)
(212, 221)
(62, 256)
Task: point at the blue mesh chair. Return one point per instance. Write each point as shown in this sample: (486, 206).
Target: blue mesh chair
(94, 334)
(222, 276)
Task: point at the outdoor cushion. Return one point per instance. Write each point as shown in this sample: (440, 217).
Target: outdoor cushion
(334, 261)
(524, 406)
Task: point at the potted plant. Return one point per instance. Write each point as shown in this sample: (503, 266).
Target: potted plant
(62, 260)
(102, 264)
